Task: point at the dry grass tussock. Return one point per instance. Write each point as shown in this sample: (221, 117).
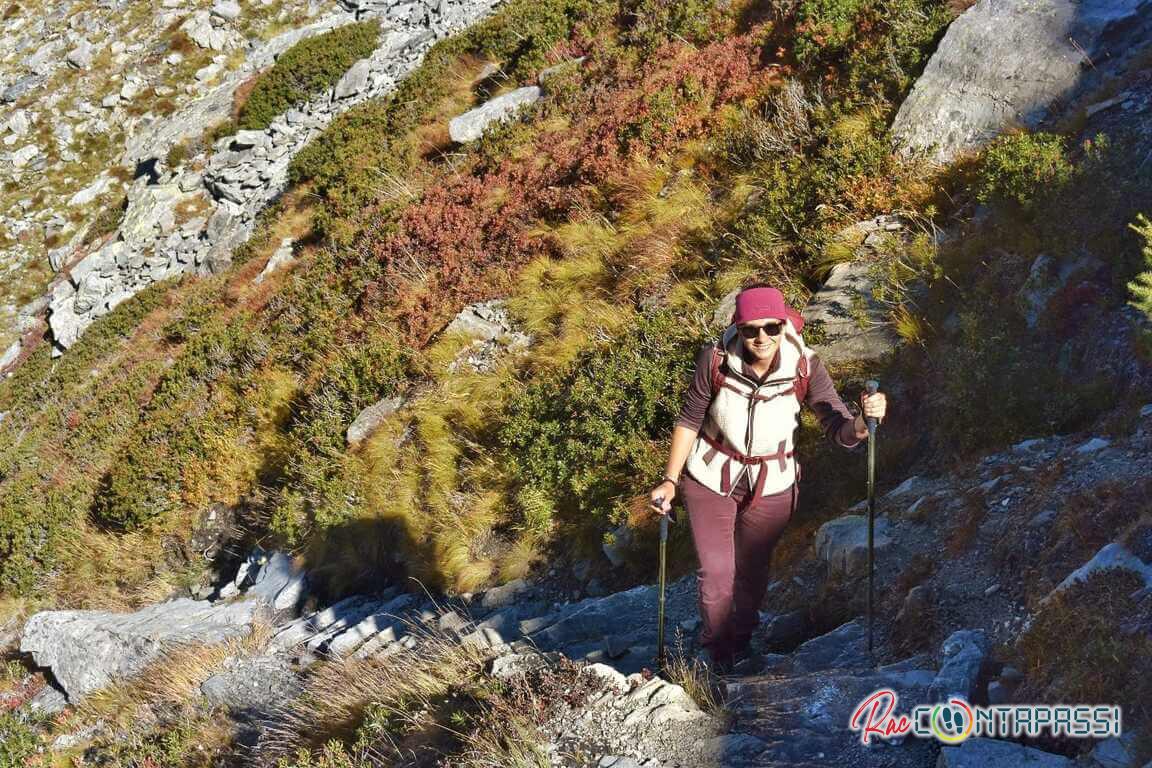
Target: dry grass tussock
(785, 125)
(433, 699)
(339, 693)
(120, 572)
(696, 679)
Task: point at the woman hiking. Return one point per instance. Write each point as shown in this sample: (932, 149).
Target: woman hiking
(732, 461)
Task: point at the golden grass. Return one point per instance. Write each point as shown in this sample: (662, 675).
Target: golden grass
(910, 326)
(120, 571)
(507, 740)
(248, 443)
(14, 610)
(696, 680)
(1075, 650)
(401, 687)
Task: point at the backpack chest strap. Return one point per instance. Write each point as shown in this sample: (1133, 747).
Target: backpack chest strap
(781, 455)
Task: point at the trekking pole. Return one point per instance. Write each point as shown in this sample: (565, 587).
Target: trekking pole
(660, 656)
(872, 386)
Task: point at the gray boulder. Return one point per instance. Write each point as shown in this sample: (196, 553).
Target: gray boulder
(253, 684)
(492, 333)
(229, 10)
(87, 650)
(354, 81)
(801, 707)
(1046, 280)
(80, 57)
(1112, 555)
(961, 661)
(992, 753)
(370, 418)
(22, 86)
(471, 125)
(722, 316)
(10, 354)
(504, 595)
(549, 72)
(277, 582)
(1116, 752)
(842, 648)
(853, 322)
(1007, 62)
(283, 255)
(843, 543)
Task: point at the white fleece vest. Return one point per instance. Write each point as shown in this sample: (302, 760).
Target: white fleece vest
(753, 426)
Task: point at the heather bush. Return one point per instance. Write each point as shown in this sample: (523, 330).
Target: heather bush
(648, 24)
(825, 27)
(305, 70)
(374, 141)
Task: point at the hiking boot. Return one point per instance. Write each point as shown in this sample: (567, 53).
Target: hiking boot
(718, 664)
(748, 663)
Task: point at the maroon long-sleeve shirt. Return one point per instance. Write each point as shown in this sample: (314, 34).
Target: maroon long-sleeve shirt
(836, 421)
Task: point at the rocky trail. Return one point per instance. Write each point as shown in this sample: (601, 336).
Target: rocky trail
(790, 707)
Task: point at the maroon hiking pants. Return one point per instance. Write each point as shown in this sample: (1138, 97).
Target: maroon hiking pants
(734, 537)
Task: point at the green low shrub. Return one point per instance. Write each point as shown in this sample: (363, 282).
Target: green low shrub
(316, 484)
(589, 436)
(1141, 287)
(651, 23)
(305, 70)
(20, 741)
(143, 483)
(1019, 168)
(997, 384)
(825, 27)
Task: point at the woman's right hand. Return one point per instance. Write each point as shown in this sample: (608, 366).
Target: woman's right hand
(661, 498)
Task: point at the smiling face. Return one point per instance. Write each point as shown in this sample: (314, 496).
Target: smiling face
(761, 347)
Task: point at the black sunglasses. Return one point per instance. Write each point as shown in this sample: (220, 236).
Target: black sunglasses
(753, 331)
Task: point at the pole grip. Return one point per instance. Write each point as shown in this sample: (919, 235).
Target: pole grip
(873, 387)
(663, 528)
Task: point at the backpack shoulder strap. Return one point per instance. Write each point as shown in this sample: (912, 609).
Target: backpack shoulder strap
(717, 376)
(800, 383)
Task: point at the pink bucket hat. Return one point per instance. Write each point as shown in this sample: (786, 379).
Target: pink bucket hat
(764, 303)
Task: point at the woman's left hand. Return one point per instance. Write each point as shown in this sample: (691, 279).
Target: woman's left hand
(875, 405)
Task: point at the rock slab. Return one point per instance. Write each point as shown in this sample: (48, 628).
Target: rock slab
(1008, 62)
(87, 650)
(471, 125)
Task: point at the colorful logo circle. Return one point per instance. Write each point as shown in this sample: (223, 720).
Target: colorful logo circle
(952, 722)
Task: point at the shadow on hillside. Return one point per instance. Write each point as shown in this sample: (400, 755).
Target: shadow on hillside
(361, 556)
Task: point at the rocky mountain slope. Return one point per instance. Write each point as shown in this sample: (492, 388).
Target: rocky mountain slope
(187, 211)
(326, 440)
